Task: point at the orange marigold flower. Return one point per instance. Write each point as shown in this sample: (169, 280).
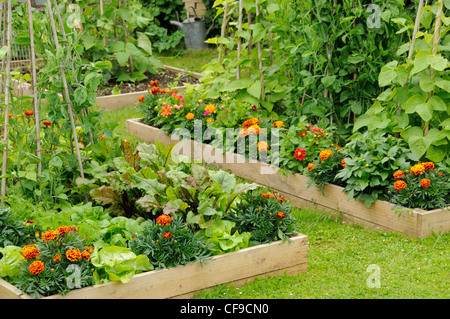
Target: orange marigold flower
(30, 252)
(278, 124)
(28, 113)
(280, 197)
(425, 182)
(154, 83)
(311, 166)
(57, 258)
(243, 132)
(253, 121)
(325, 154)
(417, 169)
(440, 174)
(190, 116)
(280, 215)
(163, 220)
(47, 123)
(166, 110)
(36, 267)
(167, 235)
(209, 120)
(301, 134)
(11, 115)
(399, 174)
(254, 129)
(428, 165)
(73, 254)
(154, 90)
(49, 235)
(399, 184)
(141, 98)
(63, 230)
(210, 108)
(163, 91)
(85, 255)
(343, 163)
(101, 137)
(263, 146)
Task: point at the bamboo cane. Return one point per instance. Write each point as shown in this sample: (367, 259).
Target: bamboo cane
(63, 32)
(66, 90)
(238, 70)
(416, 29)
(125, 31)
(2, 29)
(222, 32)
(261, 76)
(101, 13)
(7, 98)
(34, 86)
(437, 28)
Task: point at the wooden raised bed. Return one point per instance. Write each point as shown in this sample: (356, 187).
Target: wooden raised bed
(333, 200)
(184, 281)
(115, 101)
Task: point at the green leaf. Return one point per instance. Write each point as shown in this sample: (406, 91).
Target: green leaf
(421, 62)
(413, 131)
(438, 62)
(258, 32)
(410, 105)
(425, 111)
(437, 103)
(443, 84)
(255, 90)
(105, 194)
(145, 43)
(418, 145)
(122, 57)
(227, 181)
(328, 81)
(80, 95)
(89, 41)
(3, 51)
(426, 83)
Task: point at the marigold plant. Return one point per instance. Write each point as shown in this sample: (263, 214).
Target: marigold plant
(422, 186)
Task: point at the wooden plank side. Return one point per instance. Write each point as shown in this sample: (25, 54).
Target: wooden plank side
(435, 221)
(226, 268)
(8, 291)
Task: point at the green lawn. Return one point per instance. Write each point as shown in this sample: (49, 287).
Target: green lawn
(192, 60)
(339, 256)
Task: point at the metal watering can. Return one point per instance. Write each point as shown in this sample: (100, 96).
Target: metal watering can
(194, 31)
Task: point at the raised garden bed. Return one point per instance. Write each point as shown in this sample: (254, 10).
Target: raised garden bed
(333, 199)
(184, 281)
(108, 101)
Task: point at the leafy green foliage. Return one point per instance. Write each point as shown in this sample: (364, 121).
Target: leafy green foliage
(267, 218)
(222, 238)
(170, 245)
(116, 263)
(370, 158)
(15, 232)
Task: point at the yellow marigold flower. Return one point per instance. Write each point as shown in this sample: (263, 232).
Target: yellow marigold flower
(263, 146)
(278, 124)
(209, 120)
(254, 129)
(325, 154)
(399, 184)
(417, 169)
(210, 108)
(73, 254)
(425, 182)
(190, 116)
(36, 267)
(243, 132)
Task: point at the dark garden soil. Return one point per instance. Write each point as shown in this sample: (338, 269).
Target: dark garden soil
(164, 77)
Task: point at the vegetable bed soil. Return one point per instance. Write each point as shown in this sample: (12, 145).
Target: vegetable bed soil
(237, 268)
(333, 199)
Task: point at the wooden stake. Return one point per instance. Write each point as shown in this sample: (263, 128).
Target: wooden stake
(261, 76)
(7, 98)
(238, 70)
(34, 86)
(437, 28)
(222, 32)
(101, 13)
(63, 32)
(416, 29)
(66, 91)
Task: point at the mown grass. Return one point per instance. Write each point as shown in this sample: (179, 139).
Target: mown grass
(339, 256)
(192, 60)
